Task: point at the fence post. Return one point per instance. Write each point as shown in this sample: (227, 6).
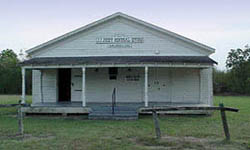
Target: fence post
(224, 122)
(20, 119)
(157, 126)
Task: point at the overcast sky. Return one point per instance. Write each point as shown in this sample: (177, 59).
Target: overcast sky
(221, 24)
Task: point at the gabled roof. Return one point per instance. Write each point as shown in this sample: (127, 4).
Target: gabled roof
(116, 60)
(115, 15)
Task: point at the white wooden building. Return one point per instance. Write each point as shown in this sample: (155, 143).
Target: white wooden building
(146, 64)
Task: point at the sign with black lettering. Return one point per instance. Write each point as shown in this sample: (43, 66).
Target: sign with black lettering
(119, 41)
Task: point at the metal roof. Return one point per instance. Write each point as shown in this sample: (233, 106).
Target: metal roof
(117, 60)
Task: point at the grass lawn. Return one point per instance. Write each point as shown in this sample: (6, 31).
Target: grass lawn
(179, 132)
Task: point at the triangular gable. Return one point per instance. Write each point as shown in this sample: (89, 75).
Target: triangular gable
(208, 50)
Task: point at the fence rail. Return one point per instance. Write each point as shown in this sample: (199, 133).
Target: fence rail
(13, 105)
(19, 114)
(187, 108)
(154, 111)
(221, 108)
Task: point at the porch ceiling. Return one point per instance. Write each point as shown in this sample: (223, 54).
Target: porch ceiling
(117, 60)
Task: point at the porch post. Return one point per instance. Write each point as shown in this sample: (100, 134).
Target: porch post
(23, 86)
(83, 87)
(146, 86)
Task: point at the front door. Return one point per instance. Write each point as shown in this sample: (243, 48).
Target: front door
(64, 85)
(76, 85)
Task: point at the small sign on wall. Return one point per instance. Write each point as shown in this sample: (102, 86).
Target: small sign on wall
(132, 78)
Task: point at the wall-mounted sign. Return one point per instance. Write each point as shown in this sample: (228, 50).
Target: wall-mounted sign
(132, 78)
(119, 41)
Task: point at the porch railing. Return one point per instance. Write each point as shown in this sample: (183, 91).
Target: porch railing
(113, 100)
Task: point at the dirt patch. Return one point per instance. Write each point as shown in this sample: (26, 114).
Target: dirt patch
(26, 137)
(189, 143)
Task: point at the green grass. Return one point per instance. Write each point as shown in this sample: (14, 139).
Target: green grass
(179, 132)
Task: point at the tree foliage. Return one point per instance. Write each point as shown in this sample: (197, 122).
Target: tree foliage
(10, 73)
(238, 65)
(220, 81)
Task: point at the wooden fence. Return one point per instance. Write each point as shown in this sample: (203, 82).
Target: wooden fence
(221, 108)
(19, 115)
(154, 111)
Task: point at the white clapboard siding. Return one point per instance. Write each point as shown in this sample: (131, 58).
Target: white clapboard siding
(186, 86)
(130, 91)
(175, 85)
(84, 44)
(44, 90)
(159, 85)
(36, 86)
(206, 86)
(48, 93)
(49, 82)
(99, 87)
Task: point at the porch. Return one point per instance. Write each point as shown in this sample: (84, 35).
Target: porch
(141, 81)
(75, 108)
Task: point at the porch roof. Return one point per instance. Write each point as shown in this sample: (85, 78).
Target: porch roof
(117, 60)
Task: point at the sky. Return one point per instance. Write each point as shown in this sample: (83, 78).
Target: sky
(221, 24)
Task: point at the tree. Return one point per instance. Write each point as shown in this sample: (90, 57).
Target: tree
(220, 82)
(238, 64)
(10, 75)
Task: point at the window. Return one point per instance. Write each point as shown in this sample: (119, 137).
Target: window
(113, 73)
(132, 78)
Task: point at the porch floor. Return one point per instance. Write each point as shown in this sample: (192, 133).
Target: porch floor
(76, 107)
(130, 104)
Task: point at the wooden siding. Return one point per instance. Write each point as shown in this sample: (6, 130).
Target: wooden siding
(165, 85)
(44, 89)
(159, 85)
(99, 87)
(176, 85)
(206, 86)
(186, 87)
(84, 44)
(49, 83)
(36, 86)
(130, 91)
